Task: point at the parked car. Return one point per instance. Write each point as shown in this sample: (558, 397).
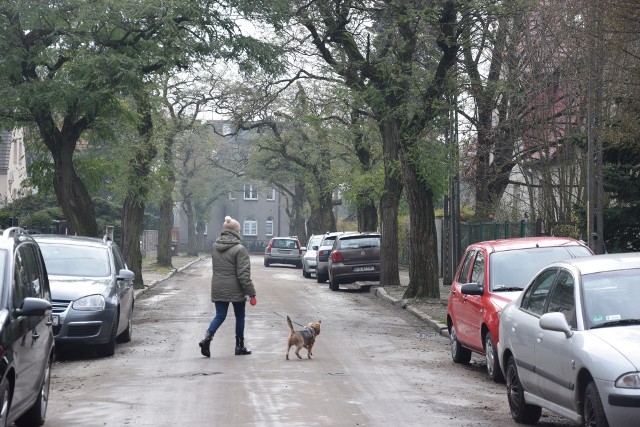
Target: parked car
(491, 274)
(570, 343)
(283, 250)
(91, 289)
(26, 338)
(309, 257)
(322, 255)
(354, 257)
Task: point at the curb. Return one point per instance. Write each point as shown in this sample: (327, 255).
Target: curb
(441, 329)
(139, 292)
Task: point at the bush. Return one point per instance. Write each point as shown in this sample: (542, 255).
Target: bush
(40, 220)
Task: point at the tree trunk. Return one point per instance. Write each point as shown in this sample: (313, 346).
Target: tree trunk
(73, 197)
(296, 214)
(139, 169)
(423, 242)
(367, 217)
(192, 249)
(163, 255)
(132, 215)
(389, 203)
(74, 200)
(164, 231)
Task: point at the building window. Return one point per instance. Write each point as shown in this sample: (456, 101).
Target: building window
(271, 195)
(250, 192)
(268, 227)
(250, 227)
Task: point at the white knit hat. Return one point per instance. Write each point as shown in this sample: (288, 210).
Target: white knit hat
(231, 224)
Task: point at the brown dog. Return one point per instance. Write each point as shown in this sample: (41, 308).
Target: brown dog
(305, 338)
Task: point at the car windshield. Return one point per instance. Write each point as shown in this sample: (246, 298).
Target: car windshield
(611, 298)
(71, 260)
(513, 270)
(359, 242)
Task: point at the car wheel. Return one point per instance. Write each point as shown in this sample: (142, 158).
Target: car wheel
(592, 409)
(321, 278)
(521, 411)
(5, 401)
(333, 284)
(459, 354)
(491, 355)
(35, 415)
(266, 262)
(109, 349)
(126, 335)
(305, 273)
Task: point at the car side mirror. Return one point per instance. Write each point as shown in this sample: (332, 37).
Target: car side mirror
(556, 322)
(472, 289)
(125, 274)
(33, 307)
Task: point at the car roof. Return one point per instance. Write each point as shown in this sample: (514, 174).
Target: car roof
(73, 240)
(525, 243)
(363, 234)
(600, 263)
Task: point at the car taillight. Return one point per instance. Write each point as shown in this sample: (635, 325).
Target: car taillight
(268, 249)
(336, 257)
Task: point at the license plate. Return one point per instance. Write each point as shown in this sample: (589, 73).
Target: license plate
(358, 269)
(284, 251)
(56, 320)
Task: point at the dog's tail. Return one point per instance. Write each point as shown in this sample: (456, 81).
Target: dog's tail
(290, 324)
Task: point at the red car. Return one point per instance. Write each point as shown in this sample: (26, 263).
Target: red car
(491, 274)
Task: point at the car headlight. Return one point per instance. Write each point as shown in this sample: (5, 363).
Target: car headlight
(630, 380)
(90, 303)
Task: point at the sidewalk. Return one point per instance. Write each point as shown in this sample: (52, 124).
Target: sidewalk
(152, 273)
(432, 312)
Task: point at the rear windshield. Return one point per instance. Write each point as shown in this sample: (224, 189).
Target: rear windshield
(71, 260)
(359, 242)
(285, 244)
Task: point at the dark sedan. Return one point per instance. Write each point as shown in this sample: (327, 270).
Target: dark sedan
(91, 289)
(354, 257)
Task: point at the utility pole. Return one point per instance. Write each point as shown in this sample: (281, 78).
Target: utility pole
(595, 192)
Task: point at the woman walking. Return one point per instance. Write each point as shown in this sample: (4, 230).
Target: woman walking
(230, 283)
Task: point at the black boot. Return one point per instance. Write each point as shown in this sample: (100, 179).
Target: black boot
(241, 350)
(205, 343)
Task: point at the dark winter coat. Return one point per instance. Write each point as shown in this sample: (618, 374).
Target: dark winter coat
(231, 279)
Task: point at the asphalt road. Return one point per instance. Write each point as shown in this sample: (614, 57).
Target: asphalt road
(374, 364)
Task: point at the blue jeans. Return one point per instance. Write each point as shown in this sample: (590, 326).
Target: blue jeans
(222, 307)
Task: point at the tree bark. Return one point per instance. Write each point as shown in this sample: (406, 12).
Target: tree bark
(163, 255)
(389, 203)
(134, 204)
(73, 197)
(164, 232)
(423, 245)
